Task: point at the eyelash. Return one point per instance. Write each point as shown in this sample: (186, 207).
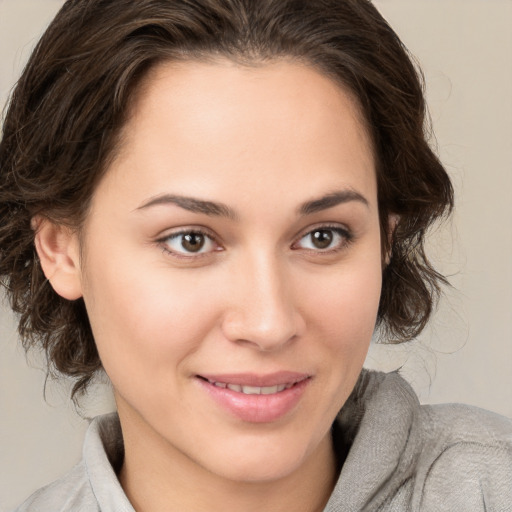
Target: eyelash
(164, 241)
(344, 233)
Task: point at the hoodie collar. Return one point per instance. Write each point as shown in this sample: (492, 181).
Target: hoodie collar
(380, 425)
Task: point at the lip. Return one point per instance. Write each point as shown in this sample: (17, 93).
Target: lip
(256, 408)
(252, 379)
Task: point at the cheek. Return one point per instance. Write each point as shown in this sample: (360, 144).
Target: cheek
(341, 310)
(145, 322)
(344, 304)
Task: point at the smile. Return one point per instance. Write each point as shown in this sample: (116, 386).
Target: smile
(253, 390)
(255, 398)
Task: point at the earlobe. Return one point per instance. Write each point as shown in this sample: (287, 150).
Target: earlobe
(58, 250)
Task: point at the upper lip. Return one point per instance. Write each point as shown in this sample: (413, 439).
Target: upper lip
(253, 379)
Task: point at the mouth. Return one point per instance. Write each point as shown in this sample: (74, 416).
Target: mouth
(256, 398)
(248, 389)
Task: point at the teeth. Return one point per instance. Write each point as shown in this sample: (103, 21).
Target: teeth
(253, 390)
(269, 390)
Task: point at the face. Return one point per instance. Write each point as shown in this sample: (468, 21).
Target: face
(232, 267)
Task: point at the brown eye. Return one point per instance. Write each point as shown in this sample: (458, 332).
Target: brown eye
(322, 238)
(192, 242)
(189, 243)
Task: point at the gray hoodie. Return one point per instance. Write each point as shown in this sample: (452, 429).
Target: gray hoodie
(398, 456)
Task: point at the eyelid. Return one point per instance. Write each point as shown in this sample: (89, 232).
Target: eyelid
(162, 239)
(340, 229)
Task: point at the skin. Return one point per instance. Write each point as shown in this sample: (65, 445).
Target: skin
(259, 297)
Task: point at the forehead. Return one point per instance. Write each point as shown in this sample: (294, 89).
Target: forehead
(223, 90)
(196, 127)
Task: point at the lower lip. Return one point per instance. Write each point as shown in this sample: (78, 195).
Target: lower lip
(256, 408)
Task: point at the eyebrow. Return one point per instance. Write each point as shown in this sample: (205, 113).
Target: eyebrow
(212, 208)
(330, 200)
(192, 205)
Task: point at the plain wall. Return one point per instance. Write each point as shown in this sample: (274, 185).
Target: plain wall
(465, 49)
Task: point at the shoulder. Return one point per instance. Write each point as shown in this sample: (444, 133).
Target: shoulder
(407, 456)
(467, 458)
(71, 492)
(466, 423)
(92, 485)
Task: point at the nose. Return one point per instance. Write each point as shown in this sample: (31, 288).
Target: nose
(263, 310)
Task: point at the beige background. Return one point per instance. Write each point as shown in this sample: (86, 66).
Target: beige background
(465, 48)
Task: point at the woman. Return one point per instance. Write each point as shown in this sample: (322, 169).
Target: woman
(218, 203)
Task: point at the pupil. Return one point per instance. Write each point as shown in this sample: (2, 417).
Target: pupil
(322, 238)
(193, 242)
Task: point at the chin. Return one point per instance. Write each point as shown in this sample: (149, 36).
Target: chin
(258, 461)
(260, 469)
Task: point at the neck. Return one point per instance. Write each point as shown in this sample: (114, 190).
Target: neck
(156, 478)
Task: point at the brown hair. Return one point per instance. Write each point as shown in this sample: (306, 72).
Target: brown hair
(65, 115)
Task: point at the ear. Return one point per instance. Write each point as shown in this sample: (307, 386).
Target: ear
(393, 220)
(58, 250)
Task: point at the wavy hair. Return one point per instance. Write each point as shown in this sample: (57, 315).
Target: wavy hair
(67, 110)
